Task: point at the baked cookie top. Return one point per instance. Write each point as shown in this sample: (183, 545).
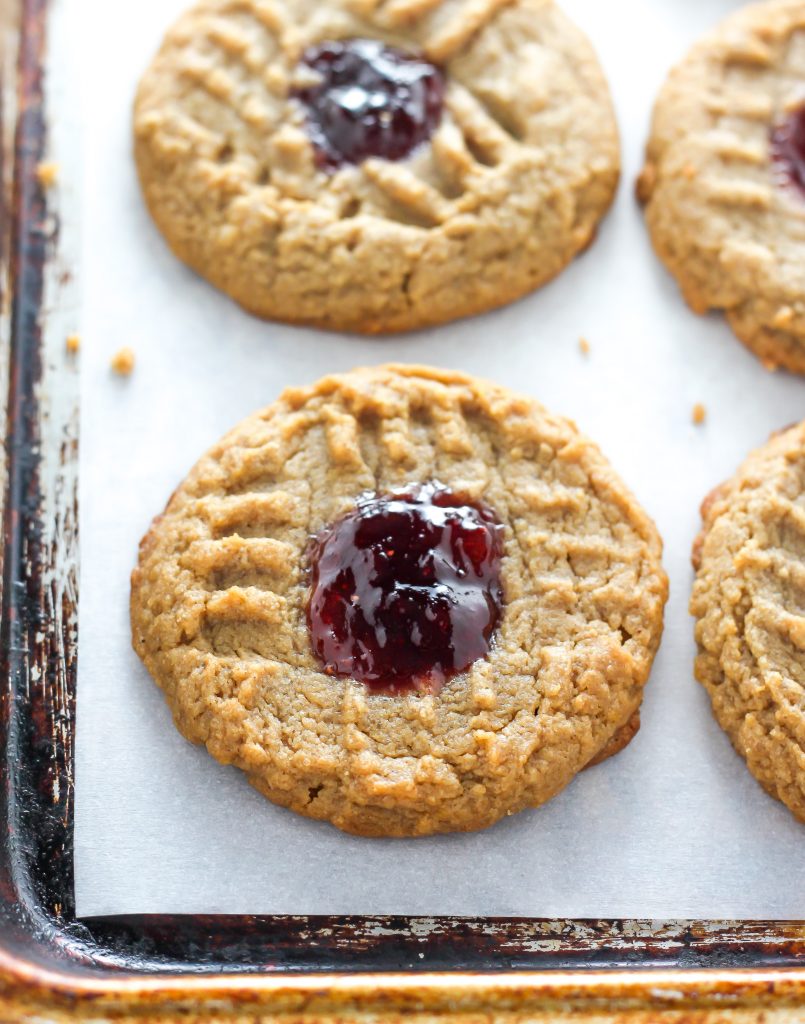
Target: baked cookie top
(749, 600)
(519, 156)
(724, 180)
(221, 599)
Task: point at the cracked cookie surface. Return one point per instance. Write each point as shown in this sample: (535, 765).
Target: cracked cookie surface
(509, 188)
(219, 601)
(749, 602)
(721, 217)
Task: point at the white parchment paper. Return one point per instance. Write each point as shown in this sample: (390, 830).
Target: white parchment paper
(674, 826)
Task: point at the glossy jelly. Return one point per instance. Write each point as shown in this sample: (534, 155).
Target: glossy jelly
(371, 100)
(788, 149)
(405, 588)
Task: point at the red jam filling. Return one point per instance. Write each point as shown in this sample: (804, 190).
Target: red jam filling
(406, 589)
(788, 149)
(370, 100)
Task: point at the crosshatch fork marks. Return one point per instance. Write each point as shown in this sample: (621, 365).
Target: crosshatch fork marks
(248, 178)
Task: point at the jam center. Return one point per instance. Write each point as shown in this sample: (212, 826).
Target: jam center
(369, 100)
(788, 148)
(406, 588)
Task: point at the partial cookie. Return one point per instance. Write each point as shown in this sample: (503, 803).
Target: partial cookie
(376, 165)
(724, 180)
(749, 600)
(404, 601)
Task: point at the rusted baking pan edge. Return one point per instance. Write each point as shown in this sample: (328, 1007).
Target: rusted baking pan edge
(53, 966)
(212, 945)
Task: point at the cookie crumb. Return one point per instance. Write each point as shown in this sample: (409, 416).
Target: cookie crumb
(584, 345)
(73, 344)
(699, 414)
(47, 174)
(123, 362)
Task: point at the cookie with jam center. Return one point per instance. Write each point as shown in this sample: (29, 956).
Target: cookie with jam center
(404, 601)
(376, 165)
(724, 179)
(749, 604)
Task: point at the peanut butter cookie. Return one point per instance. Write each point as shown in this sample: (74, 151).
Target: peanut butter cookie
(749, 600)
(724, 180)
(376, 165)
(404, 601)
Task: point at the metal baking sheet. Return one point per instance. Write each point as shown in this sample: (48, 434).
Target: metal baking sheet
(674, 826)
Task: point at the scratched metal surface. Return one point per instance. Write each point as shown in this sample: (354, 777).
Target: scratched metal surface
(55, 967)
